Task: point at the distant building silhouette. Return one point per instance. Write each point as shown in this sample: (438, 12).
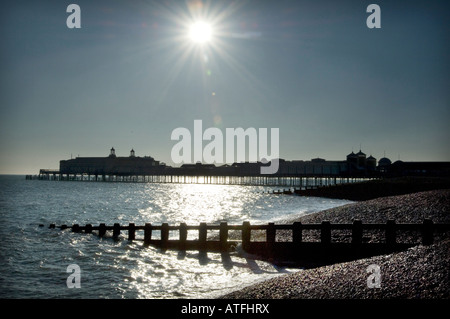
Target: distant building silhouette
(383, 165)
(400, 168)
(357, 165)
(371, 163)
(112, 164)
(112, 153)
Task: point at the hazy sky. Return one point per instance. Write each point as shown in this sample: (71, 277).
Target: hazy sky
(130, 75)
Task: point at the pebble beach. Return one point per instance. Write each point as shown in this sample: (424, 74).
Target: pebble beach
(419, 272)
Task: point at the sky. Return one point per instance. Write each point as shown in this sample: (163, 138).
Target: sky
(131, 75)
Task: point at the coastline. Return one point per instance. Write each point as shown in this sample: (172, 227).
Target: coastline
(377, 188)
(419, 272)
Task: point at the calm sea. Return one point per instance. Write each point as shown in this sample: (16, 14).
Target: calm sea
(34, 260)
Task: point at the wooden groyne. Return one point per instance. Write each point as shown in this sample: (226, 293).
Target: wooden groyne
(296, 250)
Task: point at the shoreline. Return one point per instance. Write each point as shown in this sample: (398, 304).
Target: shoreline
(419, 272)
(372, 189)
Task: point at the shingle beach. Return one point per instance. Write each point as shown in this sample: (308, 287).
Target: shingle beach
(419, 272)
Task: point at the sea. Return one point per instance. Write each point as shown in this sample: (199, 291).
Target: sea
(42, 263)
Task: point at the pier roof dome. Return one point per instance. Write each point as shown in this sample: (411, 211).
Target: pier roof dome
(384, 161)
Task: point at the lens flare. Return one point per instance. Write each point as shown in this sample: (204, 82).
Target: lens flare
(200, 32)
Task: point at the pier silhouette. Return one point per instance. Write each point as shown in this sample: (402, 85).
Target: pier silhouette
(315, 173)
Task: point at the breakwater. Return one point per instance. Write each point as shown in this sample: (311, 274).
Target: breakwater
(309, 253)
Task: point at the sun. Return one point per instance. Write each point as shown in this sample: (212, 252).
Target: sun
(200, 32)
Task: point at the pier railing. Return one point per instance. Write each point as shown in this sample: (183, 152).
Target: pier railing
(325, 249)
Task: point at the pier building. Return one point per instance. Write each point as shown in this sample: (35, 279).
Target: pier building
(294, 173)
(111, 165)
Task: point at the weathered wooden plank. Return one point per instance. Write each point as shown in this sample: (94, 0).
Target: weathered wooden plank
(269, 246)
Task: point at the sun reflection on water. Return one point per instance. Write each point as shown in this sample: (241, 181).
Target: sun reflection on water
(195, 203)
(137, 271)
(192, 274)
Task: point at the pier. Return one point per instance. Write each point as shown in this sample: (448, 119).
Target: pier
(299, 181)
(317, 172)
(133, 169)
(304, 253)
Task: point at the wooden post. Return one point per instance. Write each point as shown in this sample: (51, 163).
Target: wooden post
(390, 232)
(297, 232)
(270, 238)
(164, 235)
(357, 232)
(116, 230)
(131, 231)
(102, 230)
(325, 234)
(270, 233)
(202, 234)
(88, 229)
(76, 228)
(427, 232)
(246, 235)
(223, 235)
(183, 235)
(147, 234)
